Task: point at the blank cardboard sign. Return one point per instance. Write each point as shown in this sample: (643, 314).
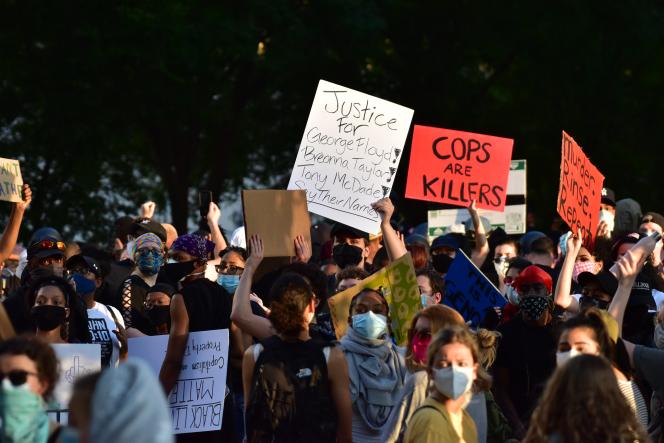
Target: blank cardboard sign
(278, 217)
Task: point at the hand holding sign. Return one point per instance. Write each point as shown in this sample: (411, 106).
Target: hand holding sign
(256, 252)
(11, 181)
(457, 167)
(26, 198)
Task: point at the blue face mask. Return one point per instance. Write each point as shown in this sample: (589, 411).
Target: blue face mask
(229, 282)
(84, 286)
(370, 325)
(149, 262)
(23, 415)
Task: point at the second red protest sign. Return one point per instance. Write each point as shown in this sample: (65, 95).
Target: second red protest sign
(456, 167)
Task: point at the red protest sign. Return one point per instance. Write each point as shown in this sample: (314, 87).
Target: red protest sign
(458, 167)
(580, 190)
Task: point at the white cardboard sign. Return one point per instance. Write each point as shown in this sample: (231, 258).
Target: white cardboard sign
(76, 360)
(349, 154)
(197, 400)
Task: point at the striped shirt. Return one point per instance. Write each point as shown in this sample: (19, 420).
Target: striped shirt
(633, 396)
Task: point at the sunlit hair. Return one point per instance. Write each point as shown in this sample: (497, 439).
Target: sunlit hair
(449, 335)
(582, 403)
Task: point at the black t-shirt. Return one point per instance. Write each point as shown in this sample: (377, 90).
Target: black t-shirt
(528, 353)
(208, 305)
(118, 273)
(16, 306)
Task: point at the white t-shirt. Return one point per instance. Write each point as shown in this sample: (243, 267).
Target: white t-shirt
(102, 325)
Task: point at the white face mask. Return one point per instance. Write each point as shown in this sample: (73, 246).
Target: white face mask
(211, 272)
(562, 357)
(659, 336)
(453, 381)
(608, 218)
(512, 295)
(502, 265)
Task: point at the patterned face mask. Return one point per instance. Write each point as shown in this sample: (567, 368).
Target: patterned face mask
(534, 307)
(581, 267)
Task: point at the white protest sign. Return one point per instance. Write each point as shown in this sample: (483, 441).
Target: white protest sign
(11, 180)
(349, 154)
(513, 220)
(76, 360)
(197, 400)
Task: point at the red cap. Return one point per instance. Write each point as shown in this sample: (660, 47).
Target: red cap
(533, 274)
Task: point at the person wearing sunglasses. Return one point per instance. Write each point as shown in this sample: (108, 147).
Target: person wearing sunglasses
(425, 324)
(28, 374)
(230, 267)
(45, 257)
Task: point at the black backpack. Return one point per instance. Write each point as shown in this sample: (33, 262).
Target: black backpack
(290, 398)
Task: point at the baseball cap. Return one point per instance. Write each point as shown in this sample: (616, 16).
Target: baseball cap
(341, 229)
(605, 279)
(45, 242)
(87, 262)
(447, 240)
(533, 274)
(653, 217)
(527, 240)
(146, 225)
(608, 197)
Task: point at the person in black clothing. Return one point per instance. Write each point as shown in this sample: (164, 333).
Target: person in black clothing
(46, 257)
(308, 377)
(200, 305)
(527, 352)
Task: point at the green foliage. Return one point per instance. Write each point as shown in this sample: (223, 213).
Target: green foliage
(110, 103)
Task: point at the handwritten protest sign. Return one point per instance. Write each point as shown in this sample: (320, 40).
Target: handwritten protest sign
(11, 180)
(398, 284)
(580, 191)
(76, 360)
(278, 216)
(197, 400)
(349, 153)
(457, 167)
(468, 291)
(512, 220)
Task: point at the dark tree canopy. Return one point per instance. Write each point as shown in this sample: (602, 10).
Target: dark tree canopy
(110, 103)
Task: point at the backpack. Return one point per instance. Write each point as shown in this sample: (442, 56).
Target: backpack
(290, 398)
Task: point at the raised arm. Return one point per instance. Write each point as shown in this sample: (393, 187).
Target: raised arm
(641, 249)
(394, 246)
(213, 216)
(337, 370)
(10, 234)
(481, 250)
(629, 266)
(241, 313)
(563, 298)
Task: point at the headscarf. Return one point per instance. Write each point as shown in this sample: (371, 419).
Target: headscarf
(144, 240)
(194, 245)
(129, 405)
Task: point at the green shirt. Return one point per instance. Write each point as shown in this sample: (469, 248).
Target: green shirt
(431, 423)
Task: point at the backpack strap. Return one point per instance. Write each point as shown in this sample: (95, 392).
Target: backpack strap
(115, 319)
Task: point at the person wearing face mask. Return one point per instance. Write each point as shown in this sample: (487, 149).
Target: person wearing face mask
(57, 311)
(425, 324)
(452, 363)
(511, 309)
(199, 305)
(564, 415)
(350, 246)
(158, 307)
(431, 286)
(45, 256)
(376, 367)
(104, 322)
(313, 373)
(28, 375)
(443, 251)
(607, 212)
(596, 332)
(230, 267)
(148, 255)
(527, 351)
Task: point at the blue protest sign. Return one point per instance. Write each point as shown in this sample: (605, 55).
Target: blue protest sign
(469, 291)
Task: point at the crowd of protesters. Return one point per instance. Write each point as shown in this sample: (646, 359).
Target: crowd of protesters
(575, 355)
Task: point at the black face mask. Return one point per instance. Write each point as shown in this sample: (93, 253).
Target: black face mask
(172, 273)
(345, 255)
(441, 262)
(48, 317)
(592, 302)
(159, 315)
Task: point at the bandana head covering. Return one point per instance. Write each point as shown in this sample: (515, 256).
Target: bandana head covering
(533, 274)
(148, 239)
(194, 245)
